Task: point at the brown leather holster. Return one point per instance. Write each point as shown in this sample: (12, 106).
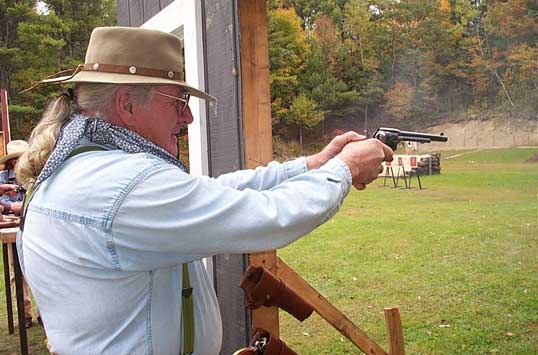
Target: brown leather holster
(263, 288)
(263, 342)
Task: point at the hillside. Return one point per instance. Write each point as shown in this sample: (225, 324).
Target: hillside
(486, 134)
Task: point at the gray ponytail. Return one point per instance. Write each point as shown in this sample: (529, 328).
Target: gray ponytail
(95, 98)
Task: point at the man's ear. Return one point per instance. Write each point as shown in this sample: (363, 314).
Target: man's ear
(123, 108)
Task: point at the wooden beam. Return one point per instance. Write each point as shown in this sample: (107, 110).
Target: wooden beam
(266, 317)
(257, 129)
(394, 331)
(5, 119)
(329, 312)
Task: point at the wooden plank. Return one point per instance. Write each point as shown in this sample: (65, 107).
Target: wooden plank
(258, 144)
(257, 130)
(122, 13)
(9, 234)
(225, 154)
(136, 13)
(5, 117)
(151, 8)
(266, 317)
(329, 312)
(394, 331)
(7, 288)
(23, 340)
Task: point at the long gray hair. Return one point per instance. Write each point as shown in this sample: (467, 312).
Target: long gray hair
(95, 98)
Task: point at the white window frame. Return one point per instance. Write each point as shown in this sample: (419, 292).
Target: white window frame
(184, 16)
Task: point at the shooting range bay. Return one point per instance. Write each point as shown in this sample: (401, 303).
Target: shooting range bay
(460, 258)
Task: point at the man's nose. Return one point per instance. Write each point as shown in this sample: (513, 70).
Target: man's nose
(186, 116)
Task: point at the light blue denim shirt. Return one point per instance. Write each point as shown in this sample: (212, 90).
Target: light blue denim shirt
(106, 234)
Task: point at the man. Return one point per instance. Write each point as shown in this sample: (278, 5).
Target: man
(114, 215)
(11, 203)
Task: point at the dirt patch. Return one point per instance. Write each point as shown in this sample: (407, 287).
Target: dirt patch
(533, 159)
(486, 134)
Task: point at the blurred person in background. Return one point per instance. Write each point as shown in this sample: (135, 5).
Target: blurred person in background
(11, 204)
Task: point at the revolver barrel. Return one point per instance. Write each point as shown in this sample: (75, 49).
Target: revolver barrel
(392, 136)
(410, 136)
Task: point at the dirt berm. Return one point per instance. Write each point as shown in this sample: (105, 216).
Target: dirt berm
(485, 134)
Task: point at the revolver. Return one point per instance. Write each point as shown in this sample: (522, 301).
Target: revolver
(393, 136)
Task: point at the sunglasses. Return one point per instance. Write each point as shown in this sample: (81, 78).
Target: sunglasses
(181, 102)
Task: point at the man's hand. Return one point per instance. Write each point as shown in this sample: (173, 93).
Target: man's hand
(16, 208)
(8, 189)
(332, 149)
(364, 160)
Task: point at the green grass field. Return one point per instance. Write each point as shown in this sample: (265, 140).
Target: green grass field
(459, 258)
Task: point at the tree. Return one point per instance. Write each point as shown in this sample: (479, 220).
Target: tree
(288, 50)
(305, 114)
(521, 77)
(417, 60)
(319, 83)
(360, 60)
(12, 13)
(34, 44)
(399, 100)
(327, 40)
(309, 10)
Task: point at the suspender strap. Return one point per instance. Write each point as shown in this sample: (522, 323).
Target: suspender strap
(187, 314)
(88, 148)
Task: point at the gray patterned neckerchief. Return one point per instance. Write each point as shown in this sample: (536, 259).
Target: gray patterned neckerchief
(99, 132)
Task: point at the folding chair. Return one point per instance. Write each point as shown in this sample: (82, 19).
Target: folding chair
(388, 168)
(414, 170)
(402, 168)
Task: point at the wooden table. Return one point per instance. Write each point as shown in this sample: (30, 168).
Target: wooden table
(8, 235)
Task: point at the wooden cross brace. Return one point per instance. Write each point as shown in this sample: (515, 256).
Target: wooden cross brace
(267, 317)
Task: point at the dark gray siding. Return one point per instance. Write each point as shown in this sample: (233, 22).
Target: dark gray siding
(226, 154)
(122, 12)
(133, 13)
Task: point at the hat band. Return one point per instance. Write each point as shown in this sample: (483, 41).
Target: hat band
(132, 70)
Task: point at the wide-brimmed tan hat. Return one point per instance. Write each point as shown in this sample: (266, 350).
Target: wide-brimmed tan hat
(14, 150)
(126, 55)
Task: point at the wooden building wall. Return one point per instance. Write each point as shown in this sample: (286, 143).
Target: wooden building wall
(133, 13)
(225, 136)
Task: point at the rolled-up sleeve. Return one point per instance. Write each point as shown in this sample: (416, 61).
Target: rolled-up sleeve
(179, 217)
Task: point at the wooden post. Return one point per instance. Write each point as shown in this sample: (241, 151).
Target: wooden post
(257, 130)
(5, 118)
(394, 331)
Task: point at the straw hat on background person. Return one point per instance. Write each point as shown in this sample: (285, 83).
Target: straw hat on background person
(14, 149)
